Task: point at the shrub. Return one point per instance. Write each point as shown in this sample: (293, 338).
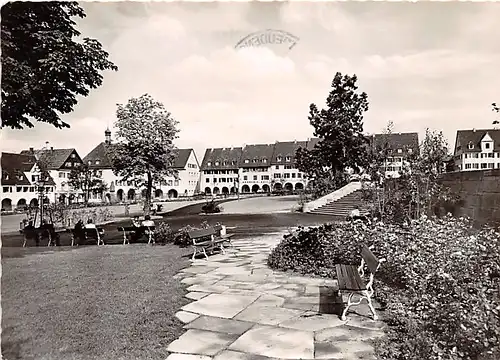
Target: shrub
(211, 208)
(441, 282)
(164, 234)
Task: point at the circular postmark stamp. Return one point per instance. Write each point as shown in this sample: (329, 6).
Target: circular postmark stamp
(268, 36)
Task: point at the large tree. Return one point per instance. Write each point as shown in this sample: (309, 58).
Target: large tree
(45, 65)
(87, 180)
(339, 127)
(145, 151)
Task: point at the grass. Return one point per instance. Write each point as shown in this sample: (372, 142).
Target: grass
(111, 302)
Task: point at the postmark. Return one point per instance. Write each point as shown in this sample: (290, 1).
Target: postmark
(268, 36)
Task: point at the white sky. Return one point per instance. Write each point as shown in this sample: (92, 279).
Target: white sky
(426, 64)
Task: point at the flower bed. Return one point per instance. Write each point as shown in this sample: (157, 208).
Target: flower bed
(440, 285)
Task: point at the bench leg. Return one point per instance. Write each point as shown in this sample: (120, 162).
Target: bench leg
(24, 242)
(72, 239)
(205, 253)
(222, 248)
(364, 295)
(194, 253)
(50, 241)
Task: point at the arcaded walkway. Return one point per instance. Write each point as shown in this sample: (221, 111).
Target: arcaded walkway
(243, 310)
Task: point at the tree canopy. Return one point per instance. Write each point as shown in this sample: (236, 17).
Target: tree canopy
(45, 65)
(339, 127)
(145, 151)
(87, 180)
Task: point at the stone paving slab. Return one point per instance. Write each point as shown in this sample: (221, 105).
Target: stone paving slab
(242, 310)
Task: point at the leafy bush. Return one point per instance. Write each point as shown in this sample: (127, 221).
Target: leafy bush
(211, 208)
(440, 284)
(164, 234)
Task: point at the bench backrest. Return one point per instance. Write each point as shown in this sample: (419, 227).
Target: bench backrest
(370, 259)
(201, 233)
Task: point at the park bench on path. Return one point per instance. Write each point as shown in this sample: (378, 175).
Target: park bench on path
(128, 231)
(205, 240)
(47, 231)
(350, 280)
(97, 234)
(220, 232)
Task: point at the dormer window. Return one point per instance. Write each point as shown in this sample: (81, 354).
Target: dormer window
(225, 163)
(90, 162)
(487, 145)
(97, 162)
(216, 163)
(209, 163)
(410, 150)
(247, 161)
(279, 158)
(264, 160)
(233, 162)
(470, 146)
(288, 158)
(400, 151)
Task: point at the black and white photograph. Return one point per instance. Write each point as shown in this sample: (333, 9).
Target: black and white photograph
(250, 180)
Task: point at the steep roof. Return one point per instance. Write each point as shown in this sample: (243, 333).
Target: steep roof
(56, 158)
(182, 158)
(227, 158)
(14, 166)
(256, 155)
(311, 143)
(100, 154)
(474, 136)
(396, 141)
(284, 149)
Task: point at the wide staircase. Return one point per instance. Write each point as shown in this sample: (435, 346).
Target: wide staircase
(343, 206)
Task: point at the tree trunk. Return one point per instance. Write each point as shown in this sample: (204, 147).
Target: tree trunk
(149, 188)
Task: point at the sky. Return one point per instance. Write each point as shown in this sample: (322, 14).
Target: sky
(423, 65)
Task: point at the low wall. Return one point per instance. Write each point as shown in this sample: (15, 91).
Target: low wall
(480, 192)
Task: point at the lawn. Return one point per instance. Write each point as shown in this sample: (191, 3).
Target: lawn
(108, 302)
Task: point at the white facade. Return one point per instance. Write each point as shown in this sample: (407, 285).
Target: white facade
(288, 177)
(482, 156)
(219, 181)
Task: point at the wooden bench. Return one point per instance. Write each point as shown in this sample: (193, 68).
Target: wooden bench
(204, 240)
(222, 234)
(129, 230)
(97, 233)
(350, 280)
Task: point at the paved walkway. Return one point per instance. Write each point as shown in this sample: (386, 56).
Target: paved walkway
(242, 310)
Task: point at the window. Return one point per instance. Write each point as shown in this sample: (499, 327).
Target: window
(468, 166)
(265, 177)
(293, 175)
(254, 160)
(215, 180)
(216, 163)
(73, 155)
(410, 150)
(255, 177)
(299, 175)
(277, 167)
(5, 189)
(490, 155)
(6, 177)
(225, 163)
(484, 165)
(476, 156)
(476, 166)
(288, 159)
(32, 188)
(209, 163)
(245, 177)
(279, 158)
(89, 162)
(264, 161)
(25, 189)
(288, 167)
(222, 180)
(491, 165)
(400, 151)
(487, 145)
(277, 176)
(19, 189)
(62, 175)
(470, 146)
(34, 178)
(247, 161)
(287, 176)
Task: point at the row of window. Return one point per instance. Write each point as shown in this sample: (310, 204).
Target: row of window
(9, 189)
(482, 166)
(483, 155)
(220, 172)
(247, 161)
(192, 166)
(256, 177)
(487, 145)
(229, 180)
